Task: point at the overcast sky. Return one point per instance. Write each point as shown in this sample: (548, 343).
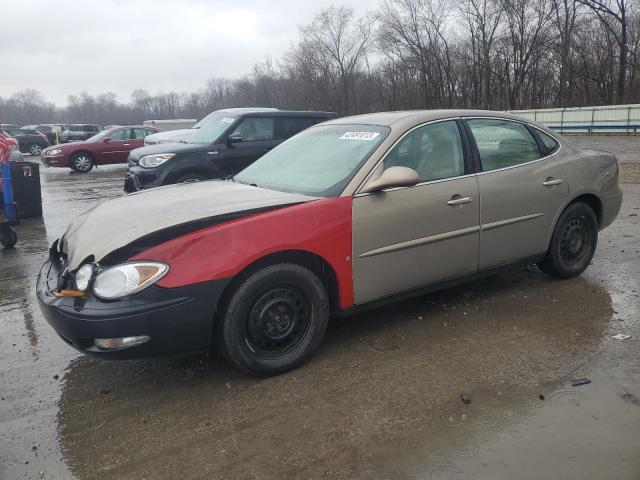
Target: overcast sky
(65, 46)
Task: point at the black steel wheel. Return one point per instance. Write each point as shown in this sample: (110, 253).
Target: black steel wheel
(277, 321)
(573, 243)
(274, 320)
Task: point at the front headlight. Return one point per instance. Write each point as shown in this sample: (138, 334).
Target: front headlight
(55, 151)
(127, 279)
(152, 161)
(83, 276)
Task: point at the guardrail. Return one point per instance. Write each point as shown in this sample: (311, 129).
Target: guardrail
(601, 119)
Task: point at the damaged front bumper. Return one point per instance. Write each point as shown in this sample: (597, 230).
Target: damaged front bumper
(175, 320)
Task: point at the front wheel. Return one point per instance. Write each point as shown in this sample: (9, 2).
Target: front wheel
(81, 162)
(274, 320)
(189, 178)
(573, 243)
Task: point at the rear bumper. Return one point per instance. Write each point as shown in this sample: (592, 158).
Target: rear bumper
(177, 320)
(610, 209)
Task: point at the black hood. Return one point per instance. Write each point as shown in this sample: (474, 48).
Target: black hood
(176, 147)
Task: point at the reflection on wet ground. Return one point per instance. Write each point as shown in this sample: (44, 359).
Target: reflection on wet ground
(381, 399)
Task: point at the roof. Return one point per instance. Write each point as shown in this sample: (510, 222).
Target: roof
(389, 119)
(286, 113)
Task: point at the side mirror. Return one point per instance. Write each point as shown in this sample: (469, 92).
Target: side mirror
(235, 138)
(106, 140)
(393, 177)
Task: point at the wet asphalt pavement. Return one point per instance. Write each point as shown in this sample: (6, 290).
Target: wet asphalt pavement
(380, 399)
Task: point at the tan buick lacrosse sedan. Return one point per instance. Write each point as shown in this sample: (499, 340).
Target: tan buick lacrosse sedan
(346, 214)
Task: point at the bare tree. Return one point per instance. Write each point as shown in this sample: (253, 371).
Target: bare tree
(613, 16)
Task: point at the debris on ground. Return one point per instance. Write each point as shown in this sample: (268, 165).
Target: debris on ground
(541, 397)
(465, 397)
(580, 381)
(627, 396)
(621, 336)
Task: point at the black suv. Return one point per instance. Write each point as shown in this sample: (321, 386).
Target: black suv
(78, 132)
(228, 142)
(29, 141)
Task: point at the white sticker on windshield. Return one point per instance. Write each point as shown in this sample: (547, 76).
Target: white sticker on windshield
(359, 135)
(227, 120)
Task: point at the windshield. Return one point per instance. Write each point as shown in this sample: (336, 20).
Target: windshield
(319, 161)
(210, 128)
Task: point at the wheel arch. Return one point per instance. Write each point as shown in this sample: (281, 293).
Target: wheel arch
(589, 198)
(318, 265)
(594, 203)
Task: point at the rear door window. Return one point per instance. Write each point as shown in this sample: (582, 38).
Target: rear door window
(502, 143)
(256, 129)
(288, 127)
(119, 135)
(139, 133)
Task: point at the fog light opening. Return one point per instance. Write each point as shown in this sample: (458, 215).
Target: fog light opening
(120, 343)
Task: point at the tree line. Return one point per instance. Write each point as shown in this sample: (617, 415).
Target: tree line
(408, 54)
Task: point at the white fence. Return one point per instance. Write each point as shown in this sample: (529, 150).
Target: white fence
(605, 119)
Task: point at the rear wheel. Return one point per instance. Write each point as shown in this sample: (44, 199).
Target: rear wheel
(274, 320)
(573, 243)
(35, 149)
(81, 162)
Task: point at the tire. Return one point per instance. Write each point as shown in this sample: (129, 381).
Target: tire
(274, 320)
(8, 236)
(81, 162)
(35, 149)
(573, 243)
(189, 178)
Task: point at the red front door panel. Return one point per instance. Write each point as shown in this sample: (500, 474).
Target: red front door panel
(321, 227)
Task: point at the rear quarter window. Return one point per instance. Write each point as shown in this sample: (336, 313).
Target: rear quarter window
(551, 145)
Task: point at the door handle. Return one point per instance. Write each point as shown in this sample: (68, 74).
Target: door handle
(126, 144)
(550, 182)
(215, 152)
(458, 200)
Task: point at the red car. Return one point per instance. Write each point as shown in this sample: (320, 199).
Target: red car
(109, 146)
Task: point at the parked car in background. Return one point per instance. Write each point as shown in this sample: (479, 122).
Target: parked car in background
(78, 132)
(171, 123)
(47, 129)
(171, 136)
(228, 142)
(109, 146)
(29, 141)
(343, 216)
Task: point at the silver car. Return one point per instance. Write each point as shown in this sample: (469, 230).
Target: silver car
(347, 214)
